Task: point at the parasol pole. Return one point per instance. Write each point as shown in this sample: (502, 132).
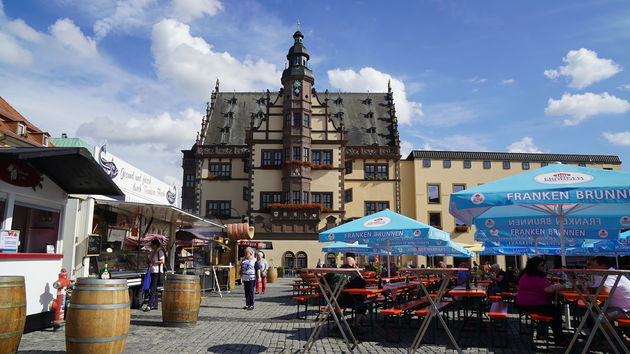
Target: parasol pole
(562, 247)
(389, 275)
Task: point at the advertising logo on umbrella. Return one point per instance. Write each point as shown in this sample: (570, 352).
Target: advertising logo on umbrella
(377, 222)
(563, 178)
(331, 237)
(625, 221)
(603, 233)
(477, 198)
(494, 232)
(489, 223)
(417, 233)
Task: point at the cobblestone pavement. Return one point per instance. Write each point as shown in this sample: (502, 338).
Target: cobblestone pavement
(224, 327)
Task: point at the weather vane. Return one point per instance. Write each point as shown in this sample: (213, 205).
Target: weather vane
(298, 25)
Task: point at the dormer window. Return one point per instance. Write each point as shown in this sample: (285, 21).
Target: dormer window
(372, 130)
(367, 101)
(232, 100)
(338, 100)
(228, 115)
(21, 130)
(45, 140)
(369, 115)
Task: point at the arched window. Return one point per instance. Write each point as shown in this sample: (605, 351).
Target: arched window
(301, 260)
(289, 260)
(331, 260)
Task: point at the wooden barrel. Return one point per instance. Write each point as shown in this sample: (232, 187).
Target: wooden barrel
(180, 300)
(12, 312)
(272, 275)
(98, 316)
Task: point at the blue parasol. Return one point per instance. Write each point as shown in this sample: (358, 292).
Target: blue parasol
(560, 191)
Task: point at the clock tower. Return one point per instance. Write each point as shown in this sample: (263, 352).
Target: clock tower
(297, 82)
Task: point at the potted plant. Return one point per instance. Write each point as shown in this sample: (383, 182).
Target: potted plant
(280, 270)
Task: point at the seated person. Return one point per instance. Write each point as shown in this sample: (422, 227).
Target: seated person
(535, 294)
(356, 302)
(619, 303)
(463, 275)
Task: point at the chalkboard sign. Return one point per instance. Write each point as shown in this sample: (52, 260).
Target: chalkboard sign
(94, 245)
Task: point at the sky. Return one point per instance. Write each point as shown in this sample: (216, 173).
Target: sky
(514, 76)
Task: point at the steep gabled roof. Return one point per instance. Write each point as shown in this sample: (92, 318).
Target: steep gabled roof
(368, 118)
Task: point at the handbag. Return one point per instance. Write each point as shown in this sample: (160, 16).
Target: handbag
(146, 282)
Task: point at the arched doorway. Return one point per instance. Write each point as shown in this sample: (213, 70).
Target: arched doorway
(302, 260)
(288, 260)
(331, 260)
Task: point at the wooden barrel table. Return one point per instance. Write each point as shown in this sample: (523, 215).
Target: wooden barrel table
(272, 275)
(98, 317)
(180, 300)
(12, 312)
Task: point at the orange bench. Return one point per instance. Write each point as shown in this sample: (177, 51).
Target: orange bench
(537, 318)
(399, 311)
(498, 315)
(441, 306)
(303, 300)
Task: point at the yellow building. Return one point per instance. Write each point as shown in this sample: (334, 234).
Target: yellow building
(429, 177)
(294, 162)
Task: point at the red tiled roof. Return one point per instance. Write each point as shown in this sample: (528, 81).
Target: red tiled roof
(10, 114)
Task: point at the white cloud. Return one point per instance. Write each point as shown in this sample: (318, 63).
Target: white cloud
(621, 139)
(524, 145)
(128, 14)
(12, 53)
(447, 114)
(584, 68)
(370, 79)
(188, 10)
(163, 130)
(507, 81)
(478, 80)
(405, 148)
(192, 64)
(581, 106)
(70, 36)
(625, 87)
(23, 31)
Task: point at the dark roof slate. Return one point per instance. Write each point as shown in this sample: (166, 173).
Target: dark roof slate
(512, 156)
(365, 116)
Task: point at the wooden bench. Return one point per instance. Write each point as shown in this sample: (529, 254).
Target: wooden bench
(399, 311)
(498, 315)
(535, 319)
(441, 306)
(304, 300)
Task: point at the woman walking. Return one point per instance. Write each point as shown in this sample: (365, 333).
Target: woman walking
(248, 277)
(261, 273)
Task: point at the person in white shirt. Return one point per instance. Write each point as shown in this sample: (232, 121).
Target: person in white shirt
(156, 261)
(619, 302)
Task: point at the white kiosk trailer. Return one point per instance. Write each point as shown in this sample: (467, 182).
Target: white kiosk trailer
(34, 188)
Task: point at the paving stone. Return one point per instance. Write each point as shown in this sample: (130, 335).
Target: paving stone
(224, 327)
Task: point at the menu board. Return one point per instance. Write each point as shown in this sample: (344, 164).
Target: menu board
(94, 245)
(9, 240)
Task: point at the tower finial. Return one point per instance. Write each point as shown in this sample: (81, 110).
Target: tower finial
(297, 24)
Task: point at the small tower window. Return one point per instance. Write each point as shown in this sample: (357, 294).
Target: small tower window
(297, 119)
(307, 120)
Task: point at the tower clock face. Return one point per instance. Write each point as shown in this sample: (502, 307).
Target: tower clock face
(297, 87)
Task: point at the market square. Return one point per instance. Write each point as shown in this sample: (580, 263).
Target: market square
(224, 176)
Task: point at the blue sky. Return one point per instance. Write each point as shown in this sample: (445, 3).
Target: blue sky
(521, 76)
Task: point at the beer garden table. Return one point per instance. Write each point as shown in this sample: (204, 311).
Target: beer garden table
(446, 273)
(596, 311)
(332, 306)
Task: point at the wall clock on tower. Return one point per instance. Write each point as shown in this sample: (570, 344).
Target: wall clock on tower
(297, 87)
